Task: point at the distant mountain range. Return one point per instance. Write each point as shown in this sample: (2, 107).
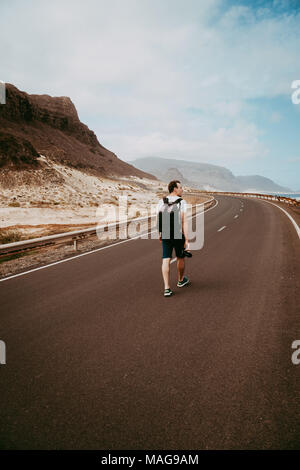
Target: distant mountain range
(205, 176)
(31, 125)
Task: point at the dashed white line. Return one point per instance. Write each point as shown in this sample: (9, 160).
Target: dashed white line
(236, 216)
(222, 228)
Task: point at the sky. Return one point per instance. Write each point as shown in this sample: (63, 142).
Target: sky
(204, 81)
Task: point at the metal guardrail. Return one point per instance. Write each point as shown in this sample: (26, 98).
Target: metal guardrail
(287, 200)
(74, 236)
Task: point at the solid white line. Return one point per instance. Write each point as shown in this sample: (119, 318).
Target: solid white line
(69, 259)
(289, 216)
(222, 228)
(87, 253)
(212, 207)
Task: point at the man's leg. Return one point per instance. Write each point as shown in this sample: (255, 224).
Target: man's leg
(179, 247)
(165, 268)
(180, 268)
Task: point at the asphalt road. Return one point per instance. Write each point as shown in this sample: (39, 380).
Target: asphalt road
(97, 358)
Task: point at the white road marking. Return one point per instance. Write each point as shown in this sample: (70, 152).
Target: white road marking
(87, 253)
(235, 216)
(222, 228)
(68, 259)
(289, 216)
(212, 207)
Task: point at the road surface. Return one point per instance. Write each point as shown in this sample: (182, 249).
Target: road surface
(97, 358)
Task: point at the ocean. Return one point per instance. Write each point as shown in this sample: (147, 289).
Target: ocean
(291, 195)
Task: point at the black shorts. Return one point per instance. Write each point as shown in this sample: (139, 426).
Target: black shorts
(168, 245)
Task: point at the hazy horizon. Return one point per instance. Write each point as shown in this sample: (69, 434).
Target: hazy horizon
(202, 81)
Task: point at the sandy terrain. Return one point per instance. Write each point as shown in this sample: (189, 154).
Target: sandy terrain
(57, 198)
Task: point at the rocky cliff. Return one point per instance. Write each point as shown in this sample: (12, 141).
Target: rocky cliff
(31, 125)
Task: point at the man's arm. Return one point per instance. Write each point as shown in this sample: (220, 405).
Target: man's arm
(185, 226)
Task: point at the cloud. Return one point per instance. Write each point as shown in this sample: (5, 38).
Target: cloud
(275, 117)
(221, 145)
(134, 69)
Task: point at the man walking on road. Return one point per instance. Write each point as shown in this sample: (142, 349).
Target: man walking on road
(168, 243)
